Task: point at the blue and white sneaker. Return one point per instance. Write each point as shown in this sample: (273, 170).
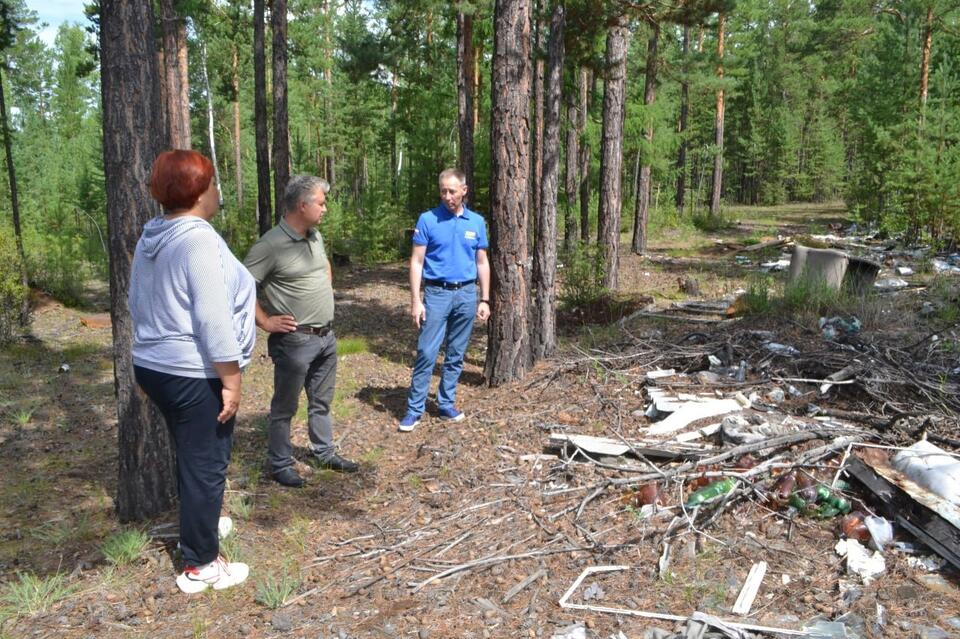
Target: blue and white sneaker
(451, 415)
(408, 423)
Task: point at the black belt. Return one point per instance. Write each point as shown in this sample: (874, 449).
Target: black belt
(449, 286)
(315, 330)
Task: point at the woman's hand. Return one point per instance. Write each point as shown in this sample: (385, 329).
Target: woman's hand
(229, 374)
(231, 404)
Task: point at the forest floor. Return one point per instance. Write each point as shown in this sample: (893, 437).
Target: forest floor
(364, 555)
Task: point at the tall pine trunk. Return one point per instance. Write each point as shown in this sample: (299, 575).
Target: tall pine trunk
(264, 213)
(571, 178)
(584, 159)
(24, 311)
(508, 352)
(146, 483)
(611, 152)
(176, 89)
(642, 201)
(536, 132)
(331, 168)
(465, 105)
(679, 198)
(210, 137)
(281, 131)
(544, 329)
(925, 63)
(718, 127)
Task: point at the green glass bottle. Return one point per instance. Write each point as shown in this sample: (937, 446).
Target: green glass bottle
(711, 491)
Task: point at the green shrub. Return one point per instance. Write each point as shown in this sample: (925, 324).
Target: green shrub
(57, 265)
(29, 594)
(12, 293)
(710, 223)
(351, 345)
(124, 547)
(759, 299)
(273, 592)
(582, 276)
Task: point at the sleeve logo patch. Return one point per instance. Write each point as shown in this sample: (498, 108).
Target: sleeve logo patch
(470, 235)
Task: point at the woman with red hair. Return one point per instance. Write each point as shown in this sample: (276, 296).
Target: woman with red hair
(193, 309)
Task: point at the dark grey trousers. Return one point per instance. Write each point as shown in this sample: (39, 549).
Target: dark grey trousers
(301, 360)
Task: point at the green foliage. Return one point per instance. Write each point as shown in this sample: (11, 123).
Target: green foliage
(758, 300)
(582, 276)
(351, 345)
(710, 223)
(29, 594)
(273, 591)
(240, 505)
(12, 293)
(124, 548)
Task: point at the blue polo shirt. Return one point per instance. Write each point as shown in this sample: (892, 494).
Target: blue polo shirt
(452, 243)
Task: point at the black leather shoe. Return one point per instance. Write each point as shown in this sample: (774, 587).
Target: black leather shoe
(339, 464)
(288, 477)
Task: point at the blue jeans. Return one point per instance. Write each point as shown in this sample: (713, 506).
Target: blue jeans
(450, 316)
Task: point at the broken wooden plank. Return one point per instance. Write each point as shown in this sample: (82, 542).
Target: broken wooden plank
(927, 517)
(693, 411)
(781, 241)
(564, 603)
(750, 588)
(694, 435)
(594, 445)
(615, 448)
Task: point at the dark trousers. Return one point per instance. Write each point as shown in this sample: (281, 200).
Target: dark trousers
(190, 407)
(308, 362)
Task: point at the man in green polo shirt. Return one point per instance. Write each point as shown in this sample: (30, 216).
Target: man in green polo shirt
(295, 305)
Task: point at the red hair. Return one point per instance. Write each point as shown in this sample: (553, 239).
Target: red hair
(179, 178)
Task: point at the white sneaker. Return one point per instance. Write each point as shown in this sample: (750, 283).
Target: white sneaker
(224, 527)
(218, 573)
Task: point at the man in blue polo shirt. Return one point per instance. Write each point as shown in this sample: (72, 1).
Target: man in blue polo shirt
(449, 258)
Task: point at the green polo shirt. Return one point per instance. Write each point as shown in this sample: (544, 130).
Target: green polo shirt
(292, 274)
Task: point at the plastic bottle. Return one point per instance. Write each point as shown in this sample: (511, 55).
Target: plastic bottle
(712, 491)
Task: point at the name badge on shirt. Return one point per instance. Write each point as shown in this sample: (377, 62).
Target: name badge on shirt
(470, 235)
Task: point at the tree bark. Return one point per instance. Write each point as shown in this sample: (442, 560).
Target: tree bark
(146, 483)
(237, 156)
(331, 171)
(536, 132)
(925, 63)
(571, 178)
(679, 197)
(264, 213)
(544, 329)
(15, 205)
(611, 152)
(465, 104)
(477, 86)
(175, 79)
(281, 131)
(642, 201)
(718, 127)
(508, 352)
(584, 158)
